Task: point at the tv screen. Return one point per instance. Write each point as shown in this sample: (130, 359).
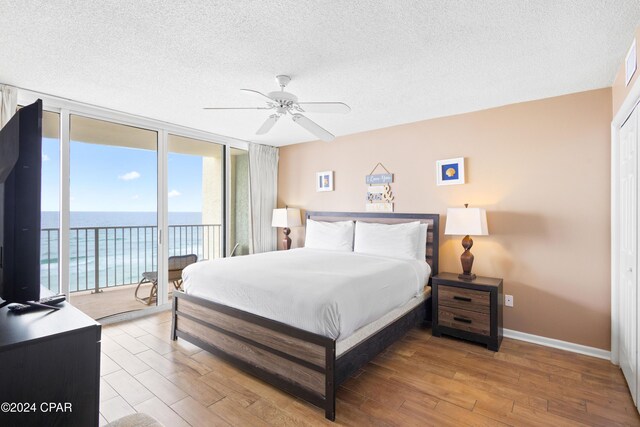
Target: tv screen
(20, 175)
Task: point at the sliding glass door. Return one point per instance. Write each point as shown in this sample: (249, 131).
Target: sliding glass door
(195, 198)
(50, 202)
(113, 234)
(123, 195)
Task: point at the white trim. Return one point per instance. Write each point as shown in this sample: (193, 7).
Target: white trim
(630, 63)
(226, 251)
(615, 320)
(64, 205)
(631, 100)
(554, 343)
(163, 220)
(54, 103)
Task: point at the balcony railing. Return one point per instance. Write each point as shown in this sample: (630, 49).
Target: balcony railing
(104, 257)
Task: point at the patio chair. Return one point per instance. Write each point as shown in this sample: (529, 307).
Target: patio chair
(176, 265)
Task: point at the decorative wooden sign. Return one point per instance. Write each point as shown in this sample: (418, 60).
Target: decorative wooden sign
(382, 178)
(379, 207)
(379, 196)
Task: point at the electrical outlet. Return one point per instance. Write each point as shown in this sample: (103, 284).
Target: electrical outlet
(508, 300)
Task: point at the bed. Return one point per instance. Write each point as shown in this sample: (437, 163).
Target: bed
(311, 359)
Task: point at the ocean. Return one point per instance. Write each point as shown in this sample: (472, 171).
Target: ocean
(111, 219)
(114, 248)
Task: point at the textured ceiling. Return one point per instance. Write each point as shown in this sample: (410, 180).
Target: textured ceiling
(393, 62)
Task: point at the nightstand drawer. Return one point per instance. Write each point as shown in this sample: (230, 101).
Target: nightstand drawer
(467, 299)
(464, 320)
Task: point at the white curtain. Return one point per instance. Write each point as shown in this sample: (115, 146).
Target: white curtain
(8, 103)
(263, 190)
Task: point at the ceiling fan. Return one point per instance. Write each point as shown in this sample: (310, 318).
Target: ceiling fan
(287, 103)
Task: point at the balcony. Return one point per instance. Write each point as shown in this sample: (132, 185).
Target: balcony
(106, 263)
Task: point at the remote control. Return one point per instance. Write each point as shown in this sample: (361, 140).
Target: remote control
(48, 307)
(20, 308)
(54, 300)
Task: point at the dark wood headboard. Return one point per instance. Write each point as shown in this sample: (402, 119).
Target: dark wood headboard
(432, 220)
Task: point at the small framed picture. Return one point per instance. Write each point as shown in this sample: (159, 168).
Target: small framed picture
(450, 171)
(324, 181)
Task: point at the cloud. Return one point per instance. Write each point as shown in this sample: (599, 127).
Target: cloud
(135, 197)
(174, 193)
(45, 158)
(129, 176)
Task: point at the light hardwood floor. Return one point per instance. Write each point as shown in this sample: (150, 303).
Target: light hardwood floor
(420, 380)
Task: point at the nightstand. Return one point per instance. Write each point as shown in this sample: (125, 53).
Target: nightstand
(471, 310)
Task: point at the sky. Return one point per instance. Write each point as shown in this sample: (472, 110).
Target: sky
(107, 179)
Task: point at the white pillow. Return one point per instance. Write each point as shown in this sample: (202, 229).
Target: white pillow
(336, 236)
(421, 254)
(392, 240)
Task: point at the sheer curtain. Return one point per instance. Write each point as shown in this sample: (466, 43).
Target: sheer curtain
(8, 103)
(263, 190)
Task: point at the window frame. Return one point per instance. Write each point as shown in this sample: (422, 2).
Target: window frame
(65, 108)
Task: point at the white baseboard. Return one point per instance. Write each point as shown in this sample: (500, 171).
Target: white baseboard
(508, 333)
(562, 345)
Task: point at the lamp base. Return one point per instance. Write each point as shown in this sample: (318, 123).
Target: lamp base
(466, 259)
(286, 241)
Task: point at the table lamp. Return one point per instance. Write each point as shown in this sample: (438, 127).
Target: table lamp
(286, 218)
(466, 222)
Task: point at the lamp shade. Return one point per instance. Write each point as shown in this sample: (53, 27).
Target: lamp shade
(287, 218)
(466, 221)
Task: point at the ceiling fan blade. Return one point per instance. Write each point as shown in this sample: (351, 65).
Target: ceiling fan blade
(313, 127)
(236, 108)
(268, 124)
(256, 93)
(325, 107)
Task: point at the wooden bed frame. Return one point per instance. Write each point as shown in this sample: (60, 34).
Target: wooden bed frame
(299, 362)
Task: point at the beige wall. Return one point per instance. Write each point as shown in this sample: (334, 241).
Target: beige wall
(542, 171)
(619, 90)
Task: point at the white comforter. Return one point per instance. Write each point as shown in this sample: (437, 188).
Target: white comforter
(326, 292)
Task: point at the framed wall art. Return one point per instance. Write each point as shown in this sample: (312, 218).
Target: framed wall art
(450, 171)
(324, 181)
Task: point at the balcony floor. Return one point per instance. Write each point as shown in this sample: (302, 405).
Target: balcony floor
(111, 301)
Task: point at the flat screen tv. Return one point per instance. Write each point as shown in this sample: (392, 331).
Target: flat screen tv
(20, 175)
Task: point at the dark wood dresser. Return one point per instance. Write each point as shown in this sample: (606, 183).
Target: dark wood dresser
(49, 368)
(471, 310)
